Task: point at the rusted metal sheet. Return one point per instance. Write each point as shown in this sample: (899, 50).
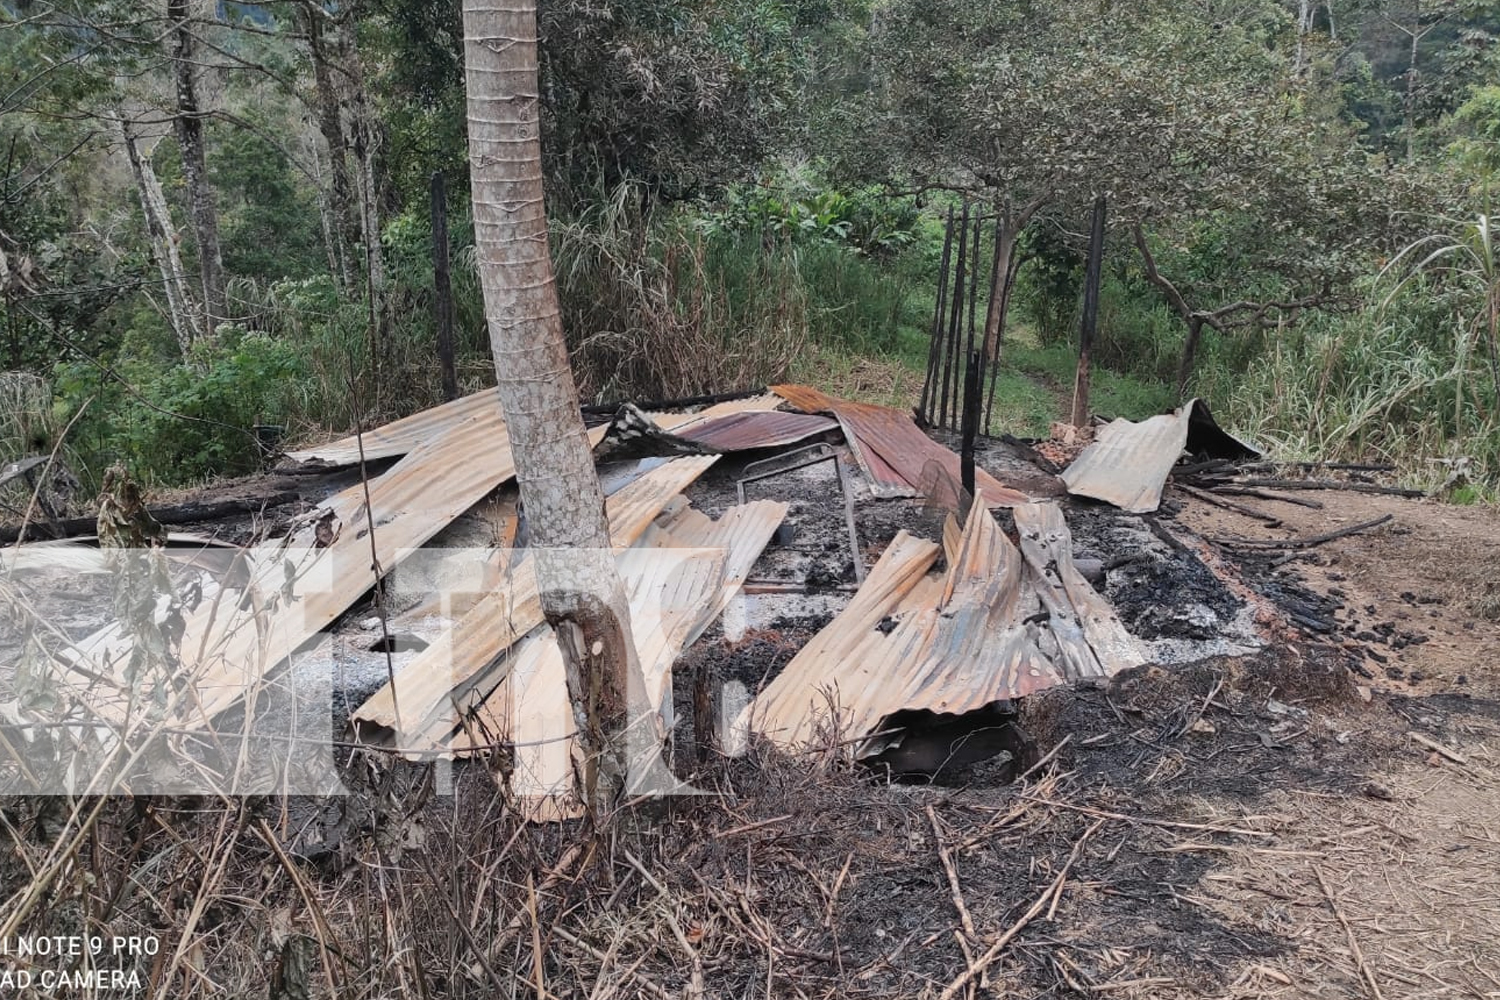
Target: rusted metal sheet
(1128, 463)
(459, 452)
(891, 449)
(309, 580)
(765, 429)
(949, 643)
(676, 421)
(1091, 639)
(409, 433)
(665, 586)
(802, 698)
(405, 435)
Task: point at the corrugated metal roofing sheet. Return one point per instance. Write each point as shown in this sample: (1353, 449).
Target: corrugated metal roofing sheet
(460, 668)
(765, 429)
(227, 651)
(1091, 639)
(892, 449)
(409, 433)
(949, 643)
(455, 454)
(404, 435)
(679, 578)
(1128, 463)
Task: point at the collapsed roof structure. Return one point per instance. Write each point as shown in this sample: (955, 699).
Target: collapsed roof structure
(994, 610)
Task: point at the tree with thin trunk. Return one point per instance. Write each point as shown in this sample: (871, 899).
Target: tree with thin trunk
(330, 124)
(1416, 23)
(1179, 111)
(366, 135)
(1240, 314)
(582, 596)
(163, 238)
(188, 124)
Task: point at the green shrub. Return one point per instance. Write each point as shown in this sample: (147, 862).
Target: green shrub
(188, 421)
(798, 205)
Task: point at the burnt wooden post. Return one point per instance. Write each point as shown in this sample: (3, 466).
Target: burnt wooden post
(974, 369)
(973, 392)
(996, 304)
(951, 377)
(976, 260)
(934, 350)
(442, 286)
(1090, 315)
(706, 688)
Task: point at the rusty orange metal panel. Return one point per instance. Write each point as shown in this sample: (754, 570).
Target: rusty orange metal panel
(891, 448)
(765, 429)
(949, 643)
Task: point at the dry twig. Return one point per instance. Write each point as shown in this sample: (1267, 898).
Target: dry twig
(984, 961)
(1359, 956)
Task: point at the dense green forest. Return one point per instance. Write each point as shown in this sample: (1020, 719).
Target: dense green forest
(216, 219)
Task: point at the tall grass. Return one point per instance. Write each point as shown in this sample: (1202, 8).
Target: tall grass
(657, 306)
(1367, 386)
(655, 309)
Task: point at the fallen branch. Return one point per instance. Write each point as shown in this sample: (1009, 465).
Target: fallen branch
(1332, 484)
(747, 827)
(1269, 520)
(1048, 896)
(1044, 759)
(1311, 466)
(1438, 749)
(1146, 821)
(186, 513)
(1303, 543)
(1031, 455)
(1230, 489)
(646, 983)
(15, 470)
(954, 889)
(1198, 469)
(1161, 532)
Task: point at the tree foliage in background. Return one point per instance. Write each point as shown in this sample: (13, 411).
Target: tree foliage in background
(1185, 116)
(762, 181)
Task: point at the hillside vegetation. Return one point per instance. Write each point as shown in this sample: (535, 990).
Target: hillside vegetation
(216, 222)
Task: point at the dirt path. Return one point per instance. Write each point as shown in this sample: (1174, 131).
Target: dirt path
(1392, 888)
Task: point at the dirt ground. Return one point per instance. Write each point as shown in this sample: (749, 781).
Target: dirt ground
(1319, 819)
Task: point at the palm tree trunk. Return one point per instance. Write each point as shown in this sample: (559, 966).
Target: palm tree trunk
(582, 596)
